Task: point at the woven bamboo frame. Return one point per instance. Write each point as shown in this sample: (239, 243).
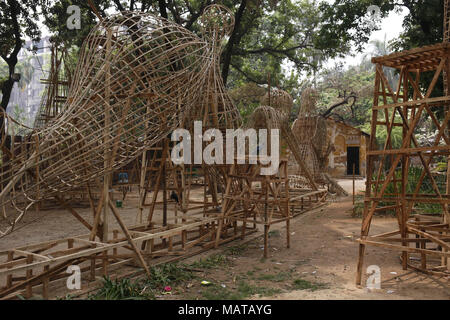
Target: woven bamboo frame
(139, 77)
(279, 99)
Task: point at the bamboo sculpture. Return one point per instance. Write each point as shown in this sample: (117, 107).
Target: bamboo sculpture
(278, 99)
(137, 78)
(310, 129)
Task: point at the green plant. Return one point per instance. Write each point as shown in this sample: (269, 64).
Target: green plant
(301, 284)
(212, 261)
(274, 234)
(161, 276)
(441, 166)
(122, 289)
(217, 292)
(426, 188)
(243, 291)
(278, 277)
(236, 250)
(247, 290)
(168, 274)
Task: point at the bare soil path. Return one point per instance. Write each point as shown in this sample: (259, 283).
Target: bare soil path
(321, 262)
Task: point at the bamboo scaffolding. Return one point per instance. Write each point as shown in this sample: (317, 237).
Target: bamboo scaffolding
(396, 108)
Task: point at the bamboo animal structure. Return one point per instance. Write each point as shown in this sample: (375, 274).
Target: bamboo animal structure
(310, 129)
(214, 109)
(265, 117)
(253, 198)
(138, 77)
(278, 99)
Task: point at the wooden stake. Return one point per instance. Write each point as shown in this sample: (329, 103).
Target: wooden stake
(130, 239)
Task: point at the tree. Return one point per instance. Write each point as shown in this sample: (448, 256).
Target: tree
(247, 97)
(56, 20)
(346, 94)
(381, 48)
(25, 69)
(423, 25)
(17, 20)
(267, 33)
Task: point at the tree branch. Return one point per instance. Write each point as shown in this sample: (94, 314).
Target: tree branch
(12, 59)
(274, 50)
(119, 5)
(18, 41)
(175, 12)
(345, 101)
(247, 76)
(195, 15)
(232, 41)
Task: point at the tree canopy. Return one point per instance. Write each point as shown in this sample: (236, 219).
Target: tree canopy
(286, 39)
(267, 35)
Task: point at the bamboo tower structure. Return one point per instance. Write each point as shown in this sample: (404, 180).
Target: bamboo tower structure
(57, 86)
(421, 236)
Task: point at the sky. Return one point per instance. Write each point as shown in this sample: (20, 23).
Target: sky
(391, 26)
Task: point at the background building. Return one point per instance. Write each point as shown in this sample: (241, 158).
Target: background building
(27, 93)
(349, 147)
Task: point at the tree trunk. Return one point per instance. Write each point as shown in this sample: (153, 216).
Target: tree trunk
(231, 42)
(11, 61)
(8, 84)
(163, 8)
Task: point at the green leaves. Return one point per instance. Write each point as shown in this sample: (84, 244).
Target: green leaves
(336, 84)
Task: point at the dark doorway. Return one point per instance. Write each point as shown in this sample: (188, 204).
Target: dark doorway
(352, 159)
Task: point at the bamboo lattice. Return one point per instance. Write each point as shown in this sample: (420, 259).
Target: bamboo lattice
(138, 77)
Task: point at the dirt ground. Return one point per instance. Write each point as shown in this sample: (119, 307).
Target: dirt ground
(322, 257)
(321, 263)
